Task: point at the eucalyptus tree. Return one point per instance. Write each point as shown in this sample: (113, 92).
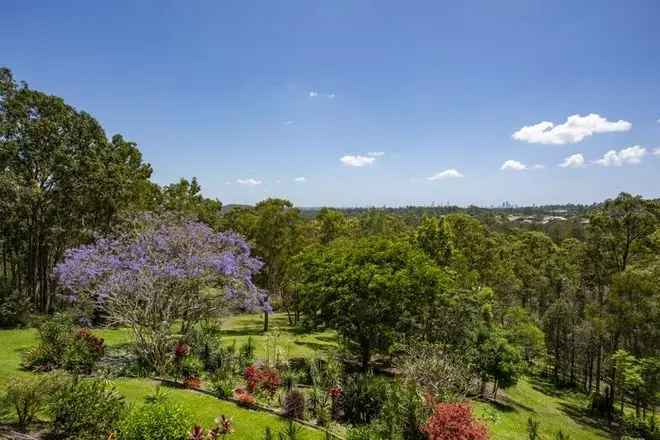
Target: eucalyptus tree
(62, 181)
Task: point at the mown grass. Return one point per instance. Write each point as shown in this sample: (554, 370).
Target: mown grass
(554, 409)
(248, 424)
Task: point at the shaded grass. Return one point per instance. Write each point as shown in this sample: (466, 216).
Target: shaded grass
(554, 409)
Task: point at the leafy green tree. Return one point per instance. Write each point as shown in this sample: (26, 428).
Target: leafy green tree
(498, 359)
(273, 226)
(433, 237)
(185, 197)
(62, 180)
(370, 290)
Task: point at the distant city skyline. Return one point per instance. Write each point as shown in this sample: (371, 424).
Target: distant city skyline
(363, 104)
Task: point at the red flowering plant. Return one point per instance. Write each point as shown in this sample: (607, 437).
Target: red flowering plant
(244, 398)
(251, 375)
(451, 421)
(262, 379)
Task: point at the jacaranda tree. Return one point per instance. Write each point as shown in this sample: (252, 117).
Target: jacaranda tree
(159, 272)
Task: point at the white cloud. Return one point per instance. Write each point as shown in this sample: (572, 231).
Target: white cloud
(331, 96)
(376, 153)
(249, 182)
(316, 94)
(513, 165)
(573, 161)
(313, 94)
(300, 179)
(656, 152)
(357, 160)
(574, 130)
(630, 155)
(446, 174)
(289, 122)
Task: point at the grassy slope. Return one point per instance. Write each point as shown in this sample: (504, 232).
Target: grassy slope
(555, 410)
(248, 424)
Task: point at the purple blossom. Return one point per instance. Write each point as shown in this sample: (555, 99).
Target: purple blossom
(163, 255)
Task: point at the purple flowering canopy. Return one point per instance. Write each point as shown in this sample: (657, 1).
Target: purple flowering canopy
(162, 273)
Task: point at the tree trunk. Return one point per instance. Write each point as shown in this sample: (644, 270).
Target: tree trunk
(366, 357)
(265, 321)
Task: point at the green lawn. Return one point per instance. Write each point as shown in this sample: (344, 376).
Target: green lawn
(554, 410)
(248, 424)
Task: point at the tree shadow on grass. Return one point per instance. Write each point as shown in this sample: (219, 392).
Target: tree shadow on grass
(314, 345)
(583, 417)
(243, 332)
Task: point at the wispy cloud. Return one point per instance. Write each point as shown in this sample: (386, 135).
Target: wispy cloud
(317, 94)
(446, 174)
(249, 182)
(356, 160)
(513, 165)
(656, 152)
(573, 161)
(627, 156)
(376, 153)
(290, 122)
(300, 179)
(574, 130)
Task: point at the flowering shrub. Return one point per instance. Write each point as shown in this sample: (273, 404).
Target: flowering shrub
(251, 375)
(152, 278)
(266, 380)
(181, 350)
(82, 353)
(244, 398)
(452, 421)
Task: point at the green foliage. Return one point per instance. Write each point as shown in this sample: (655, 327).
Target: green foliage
(533, 429)
(55, 335)
(26, 397)
(363, 398)
(82, 353)
(156, 420)
(498, 359)
(371, 291)
(86, 409)
(292, 431)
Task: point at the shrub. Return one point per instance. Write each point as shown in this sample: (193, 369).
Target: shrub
(404, 414)
(14, 308)
(55, 335)
(193, 383)
(82, 352)
(86, 409)
(291, 432)
(367, 432)
(223, 384)
(157, 419)
(266, 380)
(451, 421)
(189, 366)
(294, 404)
(363, 397)
(25, 397)
(245, 398)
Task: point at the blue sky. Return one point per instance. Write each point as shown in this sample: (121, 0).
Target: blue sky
(251, 95)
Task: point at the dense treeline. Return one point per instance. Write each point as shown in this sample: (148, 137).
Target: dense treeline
(62, 182)
(578, 299)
